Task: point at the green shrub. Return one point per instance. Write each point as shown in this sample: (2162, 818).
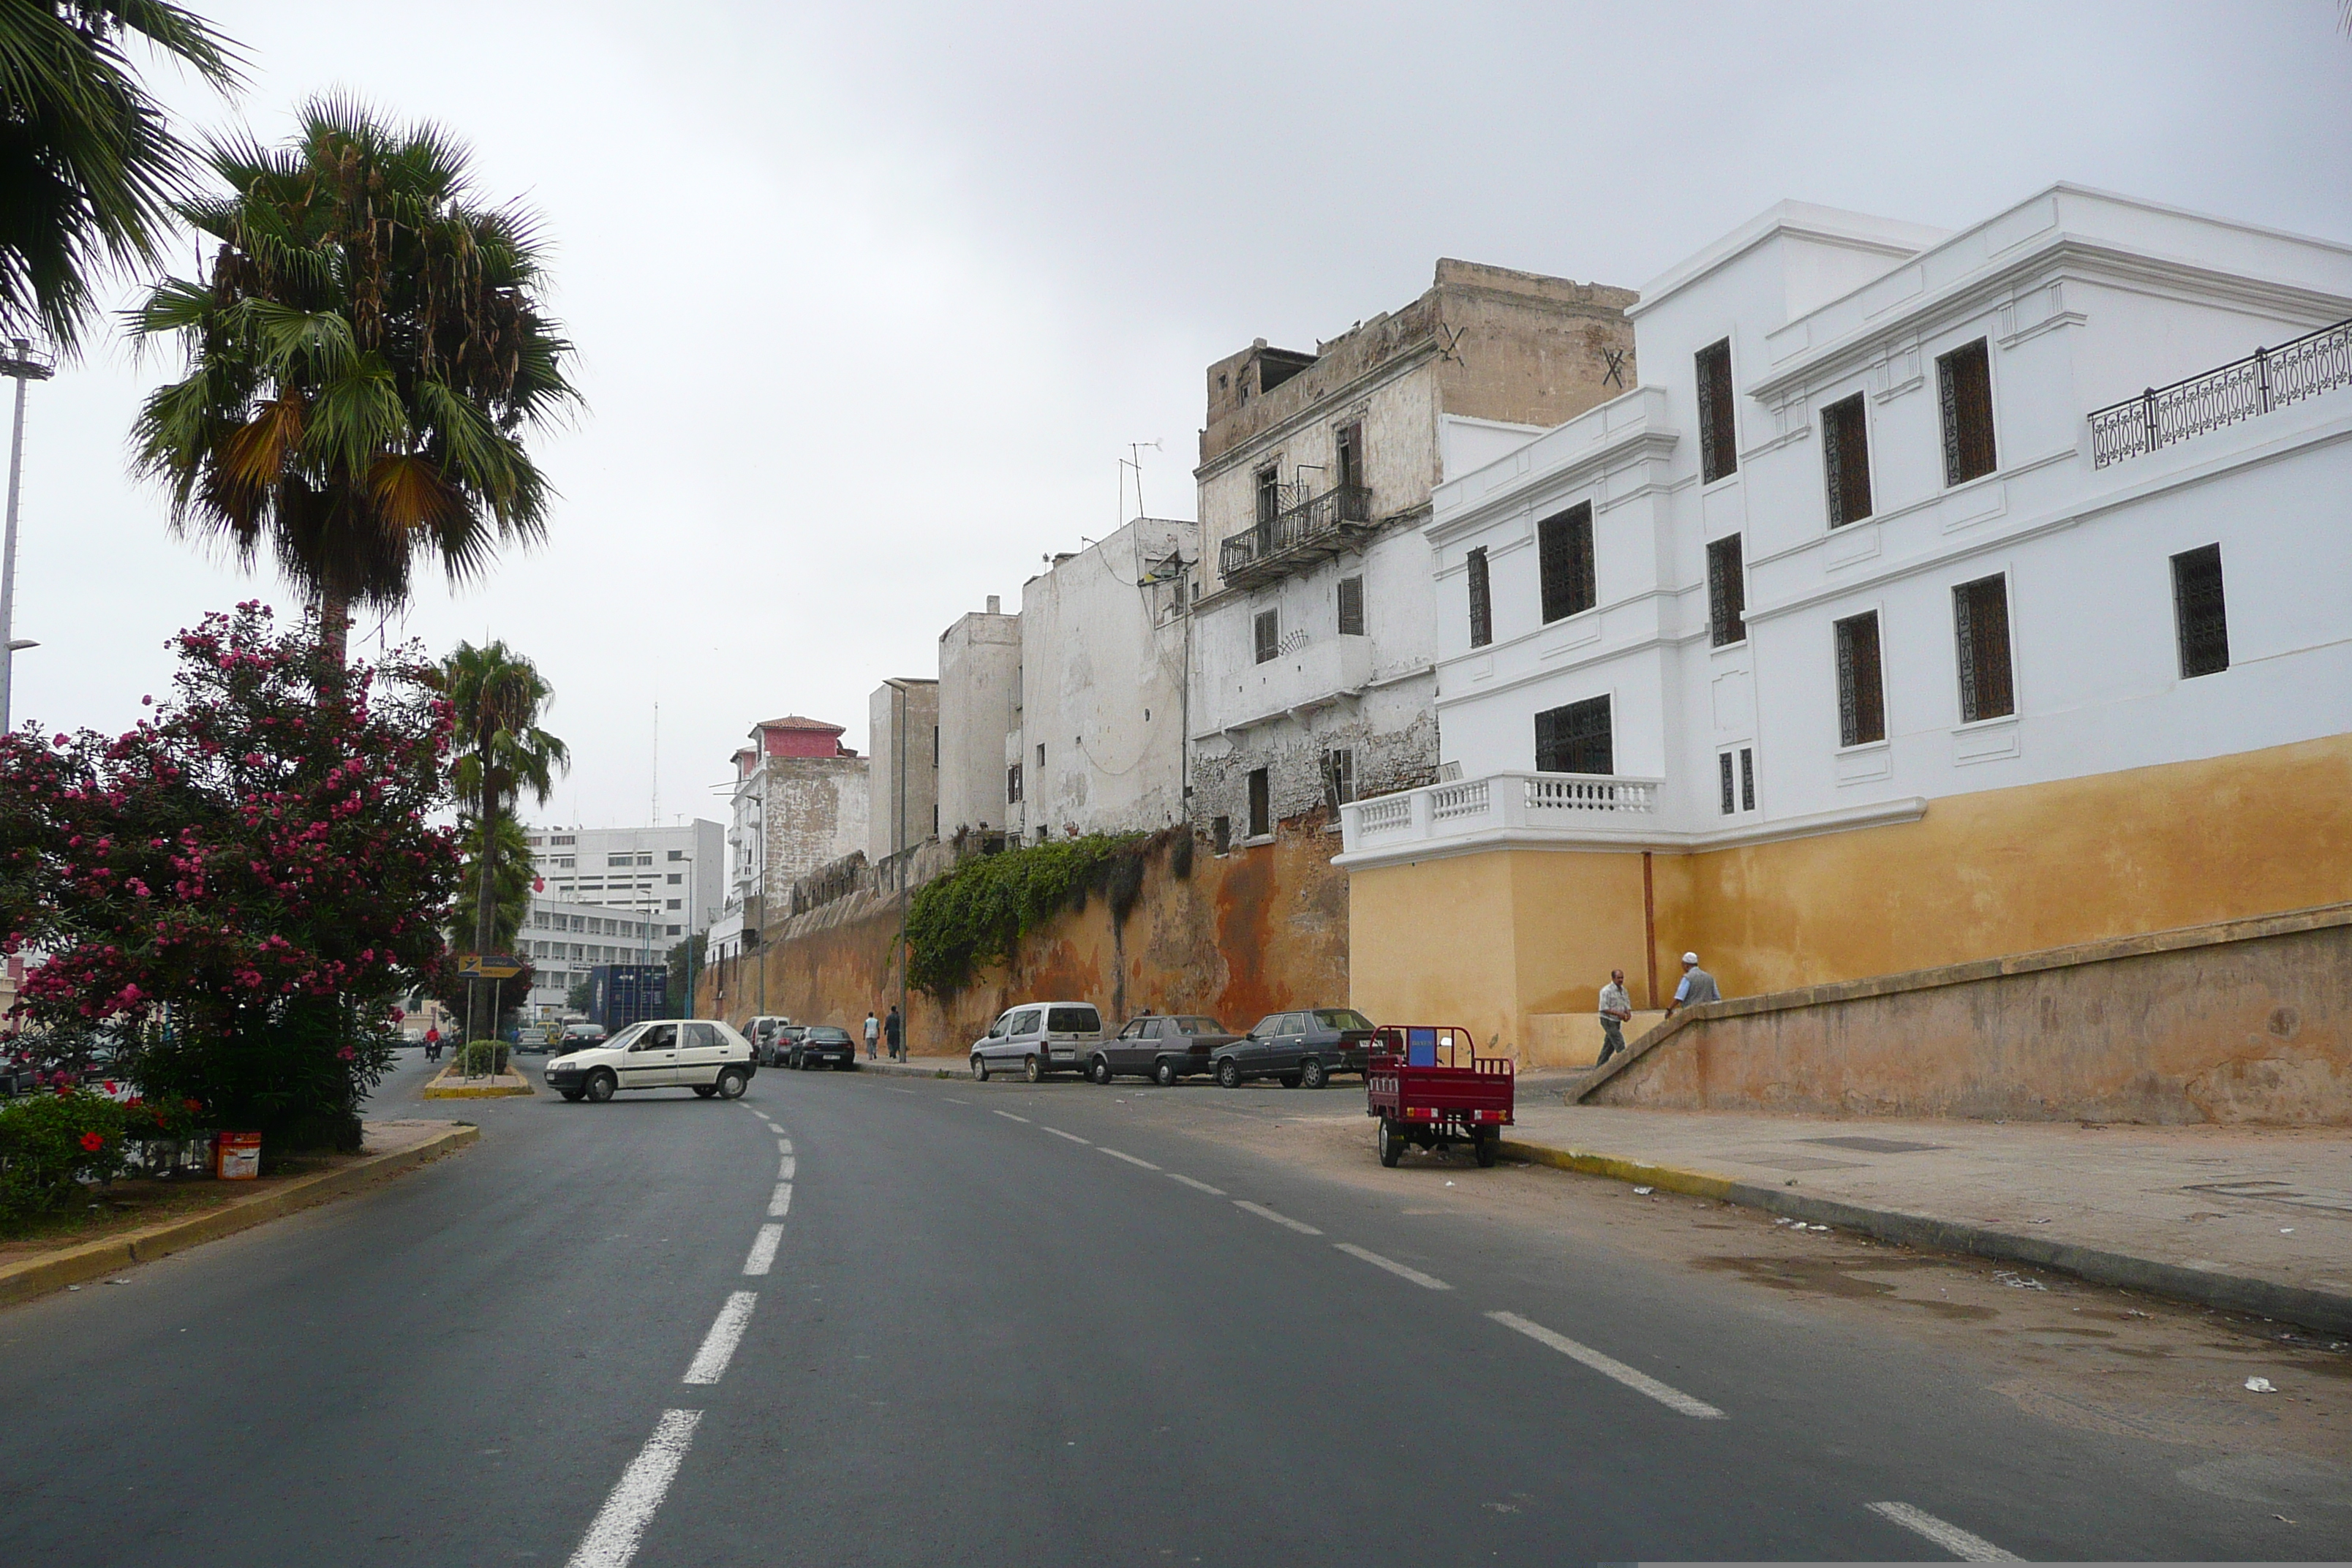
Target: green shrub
(485, 1058)
(978, 913)
(52, 1144)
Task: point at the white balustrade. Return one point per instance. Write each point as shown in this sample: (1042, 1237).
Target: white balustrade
(1569, 805)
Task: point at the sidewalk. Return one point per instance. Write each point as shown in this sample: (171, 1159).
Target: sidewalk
(2251, 1219)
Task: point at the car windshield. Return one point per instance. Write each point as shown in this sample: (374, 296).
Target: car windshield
(825, 1035)
(1196, 1025)
(1341, 1018)
(627, 1037)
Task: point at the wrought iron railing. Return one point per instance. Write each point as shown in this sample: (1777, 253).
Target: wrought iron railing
(1317, 521)
(2243, 389)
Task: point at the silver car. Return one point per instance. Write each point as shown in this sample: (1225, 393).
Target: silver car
(1037, 1039)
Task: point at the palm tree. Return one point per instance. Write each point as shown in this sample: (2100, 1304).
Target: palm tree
(88, 165)
(495, 695)
(365, 355)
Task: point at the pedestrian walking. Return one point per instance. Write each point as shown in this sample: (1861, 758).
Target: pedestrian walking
(873, 1033)
(1698, 985)
(894, 1031)
(1616, 1011)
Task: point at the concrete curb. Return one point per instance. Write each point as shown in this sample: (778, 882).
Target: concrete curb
(441, 1087)
(929, 1068)
(95, 1259)
(2323, 1310)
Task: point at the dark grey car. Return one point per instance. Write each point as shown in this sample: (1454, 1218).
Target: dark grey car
(1161, 1048)
(1298, 1048)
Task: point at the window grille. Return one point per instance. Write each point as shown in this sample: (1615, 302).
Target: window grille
(1747, 778)
(1717, 442)
(1980, 623)
(1727, 591)
(1012, 785)
(1268, 628)
(2200, 614)
(1575, 739)
(1964, 383)
(1482, 611)
(1564, 545)
(1862, 698)
(1351, 606)
(1338, 776)
(1845, 460)
(1723, 769)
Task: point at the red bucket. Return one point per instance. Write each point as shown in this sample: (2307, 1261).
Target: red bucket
(236, 1156)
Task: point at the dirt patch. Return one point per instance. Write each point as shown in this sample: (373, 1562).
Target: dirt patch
(133, 1205)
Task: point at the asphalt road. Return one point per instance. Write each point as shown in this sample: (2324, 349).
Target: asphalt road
(999, 1324)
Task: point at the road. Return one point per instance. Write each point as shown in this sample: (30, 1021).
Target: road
(1011, 1324)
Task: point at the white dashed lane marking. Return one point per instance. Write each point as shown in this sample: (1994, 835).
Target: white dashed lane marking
(613, 1534)
(1130, 1159)
(1611, 1367)
(783, 1145)
(726, 1333)
(1951, 1537)
(784, 1169)
(1010, 1117)
(1301, 1227)
(780, 1201)
(1426, 1281)
(1059, 1133)
(1197, 1186)
(763, 1256)
(951, 1099)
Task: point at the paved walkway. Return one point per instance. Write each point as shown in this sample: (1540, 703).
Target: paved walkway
(2257, 1219)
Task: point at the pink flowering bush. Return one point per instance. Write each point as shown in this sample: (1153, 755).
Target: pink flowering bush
(244, 881)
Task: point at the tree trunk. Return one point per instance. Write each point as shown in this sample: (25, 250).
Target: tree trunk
(335, 625)
(487, 904)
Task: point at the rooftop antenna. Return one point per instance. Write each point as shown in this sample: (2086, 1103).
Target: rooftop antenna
(657, 816)
(1134, 460)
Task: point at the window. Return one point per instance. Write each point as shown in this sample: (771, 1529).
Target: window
(935, 820)
(565, 862)
(1338, 776)
(1221, 834)
(678, 854)
(1268, 630)
(555, 839)
(1261, 806)
(1964, 380)
(612, 860)
(1351, 606)
(1717, 454)
(1481, 605)
(644, 860)
(1269, 499)
(1723, 778)
(935, 745)
(1348, 446)
(1845, 461)
(1747, 778)
(1727, 591)
(1041, 756)
(2198, 614)
(672, 904)
(673, 930)
(1564, 543)
(1743, 798)
(1012, 785)
(1574, 739)
(675, 877)
(1861, 693)
(1073, 1021)
(1980, 627)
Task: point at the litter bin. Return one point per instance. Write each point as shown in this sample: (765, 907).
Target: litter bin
(236, 1156)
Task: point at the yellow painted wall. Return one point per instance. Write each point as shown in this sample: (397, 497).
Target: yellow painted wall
(1488, 940)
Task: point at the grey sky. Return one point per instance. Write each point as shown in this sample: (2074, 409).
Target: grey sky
(870, 299)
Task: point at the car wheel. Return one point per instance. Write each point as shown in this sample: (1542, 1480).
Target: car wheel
(572, 1094)
(1289, 1080)
(1391, 1145)
(1031, 1068)
(978, 1069)
(601, 1085)
(1229, 1074)
(731, 1083)
(704, 1090)
(1163, 1073)
(1101, 1070)
(1312, 1075)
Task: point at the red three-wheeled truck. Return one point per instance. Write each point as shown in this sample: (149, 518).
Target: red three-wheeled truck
(1428, 1085)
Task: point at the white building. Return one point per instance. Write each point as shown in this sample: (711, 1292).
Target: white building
(1872, 632)
(980, 676)
(800, 802)
(903, 736)
(564, 940)
(677, 875)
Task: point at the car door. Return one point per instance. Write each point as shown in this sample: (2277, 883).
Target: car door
(700, 1049)
(1020, 1035)
(1131, 1052)
(651, 1061)
(1288, 1046)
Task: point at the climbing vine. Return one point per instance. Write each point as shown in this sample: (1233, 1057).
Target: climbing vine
(977, 914)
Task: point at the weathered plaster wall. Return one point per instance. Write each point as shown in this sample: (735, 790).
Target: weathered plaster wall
(980, 667)
(2249, 1021)
(896, 822)
(1245, 935)
(816, 813)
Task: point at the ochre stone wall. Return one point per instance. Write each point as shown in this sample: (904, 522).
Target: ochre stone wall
(1245, 935)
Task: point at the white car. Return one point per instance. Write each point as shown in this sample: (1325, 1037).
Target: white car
(700, 1054)
(1037, 1039)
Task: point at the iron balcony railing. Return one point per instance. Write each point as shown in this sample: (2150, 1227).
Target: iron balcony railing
(1320, 525)
(2266, 379)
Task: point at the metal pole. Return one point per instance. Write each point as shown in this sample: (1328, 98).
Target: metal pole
(901, 738)
(23, 366)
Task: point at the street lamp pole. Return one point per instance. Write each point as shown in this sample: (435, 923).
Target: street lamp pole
(22, 364)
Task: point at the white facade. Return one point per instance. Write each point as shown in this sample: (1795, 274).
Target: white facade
(676, 875)
(2080, 299)
(564, 940)
(1097, 744)
(800, 802)
(903, 735)
(980, 675)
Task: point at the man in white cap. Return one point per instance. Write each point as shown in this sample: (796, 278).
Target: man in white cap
(1697, 986)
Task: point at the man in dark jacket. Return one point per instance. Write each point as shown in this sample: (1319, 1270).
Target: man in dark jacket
(894, 1032)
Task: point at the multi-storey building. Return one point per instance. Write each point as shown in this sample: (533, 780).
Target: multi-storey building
(564, 940)
(979, 678)
(1892, 621)
(799, 803)
(673, 876)
(903, 734)
(1312, 647)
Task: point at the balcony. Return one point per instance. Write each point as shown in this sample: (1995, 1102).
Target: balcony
(1315, 530)
(1572, 807)
(1310, 676)
(2243, 389)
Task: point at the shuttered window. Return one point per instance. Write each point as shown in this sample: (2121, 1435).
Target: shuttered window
(1482, 610)
(1964, 384)
(1351, 606)
(1564, 545)
(2199, 612)
(1727, 591)
(1862, 692)
(1717, 454)
(1575, 739)
(1268, 629)
(1845, 461)
(1980, 627)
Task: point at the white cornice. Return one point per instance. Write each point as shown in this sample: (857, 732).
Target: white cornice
(1601, 840)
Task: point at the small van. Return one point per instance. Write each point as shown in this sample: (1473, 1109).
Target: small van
(1037, 1039)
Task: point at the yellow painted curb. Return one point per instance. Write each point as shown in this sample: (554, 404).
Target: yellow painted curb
(96, 1259)
(1697, 1183)
(442, 1087)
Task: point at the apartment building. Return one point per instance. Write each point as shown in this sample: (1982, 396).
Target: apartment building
(1312, 647)
(980, 681)
(673, 876)
(565, 940)
(903, 733)
(800, 802)
(1934, 597)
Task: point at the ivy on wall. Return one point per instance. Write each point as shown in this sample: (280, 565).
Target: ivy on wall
(977, 914)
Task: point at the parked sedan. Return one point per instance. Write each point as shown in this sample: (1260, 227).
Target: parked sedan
(821, 1045)
(778, 1051)
(1297, 1049)
(1162, 1048)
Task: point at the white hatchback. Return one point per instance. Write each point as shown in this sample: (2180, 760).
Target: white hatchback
(700, 1054)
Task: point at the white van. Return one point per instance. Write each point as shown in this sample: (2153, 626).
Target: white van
(1037, 1039)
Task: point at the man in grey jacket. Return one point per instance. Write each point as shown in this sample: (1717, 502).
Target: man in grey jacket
(1697, 986)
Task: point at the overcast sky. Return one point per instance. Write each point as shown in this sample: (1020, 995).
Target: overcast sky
(870, 299)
